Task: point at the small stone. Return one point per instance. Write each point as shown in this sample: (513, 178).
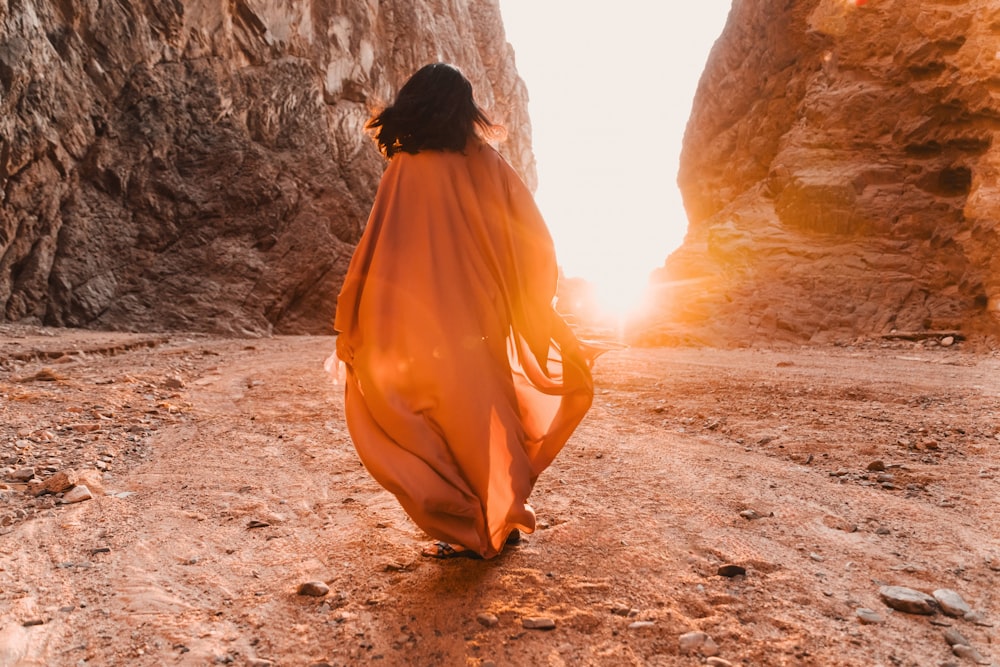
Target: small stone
(970, 653)
(838, 523)
(259, 662)
(639, 625)
(951, 602)
(77, 494)
(619, 609)
(868, 616)
(730, 570)
(977, 618)
(955, 638)
(697, 642)
(750, 515)
(23, 474)
(488, 620)
(173, 382)
(876, 466)
(316, 589)
(816, 557)
(33, 621)
(716, 661)
(947, 341)
(538, 623)
(908, 600)
(59, 482)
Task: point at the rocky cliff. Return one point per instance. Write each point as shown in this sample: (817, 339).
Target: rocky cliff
(200, 164)
(841, 174)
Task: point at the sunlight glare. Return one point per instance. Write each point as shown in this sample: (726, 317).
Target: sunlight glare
(610, 93)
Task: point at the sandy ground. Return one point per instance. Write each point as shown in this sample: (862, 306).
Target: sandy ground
(229, 480)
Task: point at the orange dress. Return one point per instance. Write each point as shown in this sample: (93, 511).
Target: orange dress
(463, 383)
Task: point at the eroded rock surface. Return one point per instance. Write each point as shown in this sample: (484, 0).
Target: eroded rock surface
(842, 175)
(201, 165)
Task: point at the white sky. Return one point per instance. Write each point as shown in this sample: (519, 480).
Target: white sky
(610, 89)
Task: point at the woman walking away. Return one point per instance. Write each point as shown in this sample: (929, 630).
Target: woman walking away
(463, 383)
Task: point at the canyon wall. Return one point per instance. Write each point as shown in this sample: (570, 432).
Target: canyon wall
(841, 175)
(201, 165)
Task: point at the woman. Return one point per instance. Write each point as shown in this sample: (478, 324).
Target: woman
(463, 383)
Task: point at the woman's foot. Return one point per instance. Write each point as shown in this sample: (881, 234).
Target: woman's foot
(443, 550)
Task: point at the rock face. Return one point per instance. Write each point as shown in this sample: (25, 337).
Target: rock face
(201, 165)
(841, 174)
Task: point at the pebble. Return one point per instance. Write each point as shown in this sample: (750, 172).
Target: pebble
(59, 482)
(951, 602)
(489, 620)
(838, 523)
(970, 653)
(639, 625)
(77, 494)
(947, 341)
(33, 621)
(730, 570)
(23, 474)
(868, 616)
(978, 619)
(750, 515)
(259, 662)
(538, 623)
(716, 661)
(876, 466)
(698, 642)
(907, 600)
(619, 609)
(955, 638)
(316, 589)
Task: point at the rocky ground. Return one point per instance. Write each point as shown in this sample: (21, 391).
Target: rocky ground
(164, 498)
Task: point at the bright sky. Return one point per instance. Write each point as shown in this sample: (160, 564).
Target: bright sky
(610, 89)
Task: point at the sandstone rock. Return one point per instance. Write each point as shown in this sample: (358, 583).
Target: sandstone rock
(951, 602)
(969, 653)
(77, 494)
(955, 638)
(488, 620)
(715, 661)
(316, 589)
(907, 600)
(538, 623)
(826, 206)
(168, 165)
(868, 616)
(697, 642)
(59, 482)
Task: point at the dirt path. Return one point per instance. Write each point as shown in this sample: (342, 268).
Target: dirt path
(231, 480)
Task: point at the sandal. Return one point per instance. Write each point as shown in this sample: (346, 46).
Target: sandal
(443, 550)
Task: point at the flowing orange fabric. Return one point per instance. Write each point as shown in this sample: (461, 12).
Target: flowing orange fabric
(463, 383)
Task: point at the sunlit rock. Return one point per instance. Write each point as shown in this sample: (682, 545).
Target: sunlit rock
(841, 173)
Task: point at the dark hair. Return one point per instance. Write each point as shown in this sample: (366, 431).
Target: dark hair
(434, 110)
